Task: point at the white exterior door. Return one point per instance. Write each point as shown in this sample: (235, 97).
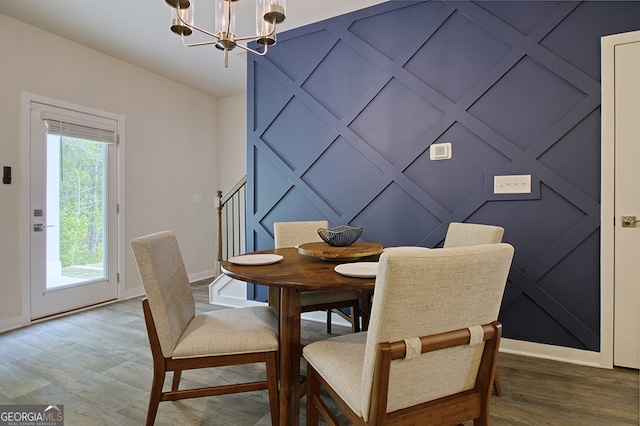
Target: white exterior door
(74, 227)
(621, 143)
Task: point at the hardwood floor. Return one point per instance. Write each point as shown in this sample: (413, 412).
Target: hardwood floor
(97, 364)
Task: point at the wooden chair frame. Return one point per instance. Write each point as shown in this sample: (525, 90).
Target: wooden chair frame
(162, 365)
(449, 410)
(489, 234)
(354, 306)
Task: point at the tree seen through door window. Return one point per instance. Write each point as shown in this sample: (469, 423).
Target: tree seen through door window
(82, 207)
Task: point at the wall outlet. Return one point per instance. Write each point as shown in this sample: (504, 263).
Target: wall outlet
(512, 184)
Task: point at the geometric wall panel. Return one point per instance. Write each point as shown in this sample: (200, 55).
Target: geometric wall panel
(585, 282)
(389, 39)
(402, 220)
(339, 174)
(577, 38)
(297, 125)
(292, 205)
(525, 102)
(330, 85)
(458, 43)
(268, 192)
(524, 16)
(342, 114)
(307, 45)
(395, 120)
(577, 151)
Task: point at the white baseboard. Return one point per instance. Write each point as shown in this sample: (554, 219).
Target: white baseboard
(551, 352)
(134, 292)
(202, 275)
(14, 323)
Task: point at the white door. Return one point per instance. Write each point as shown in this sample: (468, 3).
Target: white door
(626, 125)
(73, 210)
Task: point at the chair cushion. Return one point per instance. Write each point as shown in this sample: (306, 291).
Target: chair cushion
(339, 361)
(230, 331)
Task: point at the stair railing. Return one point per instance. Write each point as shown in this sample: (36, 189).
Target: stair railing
(232, 228)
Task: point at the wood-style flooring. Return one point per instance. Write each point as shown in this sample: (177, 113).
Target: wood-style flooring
(97, 364)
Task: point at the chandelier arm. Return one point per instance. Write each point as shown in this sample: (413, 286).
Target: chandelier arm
(256, 52)
(201, 43)
(272, 32)
(254, 37)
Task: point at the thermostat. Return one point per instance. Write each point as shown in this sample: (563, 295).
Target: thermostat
(440, 151)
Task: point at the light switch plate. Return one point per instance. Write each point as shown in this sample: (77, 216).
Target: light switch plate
(440, 151)
(512, 184)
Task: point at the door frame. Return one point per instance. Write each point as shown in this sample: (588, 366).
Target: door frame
(607, 203)
(25, 206)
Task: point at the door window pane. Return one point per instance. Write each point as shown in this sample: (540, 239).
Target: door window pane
(76, 202)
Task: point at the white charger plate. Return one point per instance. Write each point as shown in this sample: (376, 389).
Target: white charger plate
(255, 259)
(358, 269)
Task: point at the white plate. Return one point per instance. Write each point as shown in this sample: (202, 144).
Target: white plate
(358, 269)
(255, 259)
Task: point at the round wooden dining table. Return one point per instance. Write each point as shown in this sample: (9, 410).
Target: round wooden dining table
(286, 279)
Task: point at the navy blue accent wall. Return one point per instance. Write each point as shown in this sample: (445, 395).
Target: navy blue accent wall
(341, 115)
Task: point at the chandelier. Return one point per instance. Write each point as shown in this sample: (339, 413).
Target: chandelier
(269, 13)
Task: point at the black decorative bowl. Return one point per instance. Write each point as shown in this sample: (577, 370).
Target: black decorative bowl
(340, 236)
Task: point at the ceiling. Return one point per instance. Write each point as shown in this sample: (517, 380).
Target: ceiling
(138, 32)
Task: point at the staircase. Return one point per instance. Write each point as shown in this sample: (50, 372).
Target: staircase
(226, 291)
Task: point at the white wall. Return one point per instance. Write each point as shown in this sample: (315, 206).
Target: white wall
(232, 140)
(170, 143)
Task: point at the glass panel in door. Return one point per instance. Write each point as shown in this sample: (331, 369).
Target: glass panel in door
(76, 203)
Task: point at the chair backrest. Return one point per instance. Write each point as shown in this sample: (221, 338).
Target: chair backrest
(424, 292)
(166, 284)
(472, 234)
(290, 234)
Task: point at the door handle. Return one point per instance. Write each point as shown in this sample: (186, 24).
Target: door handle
(629, 221)
(39, 227)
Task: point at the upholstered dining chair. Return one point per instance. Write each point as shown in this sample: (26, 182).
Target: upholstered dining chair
(430, 352)
(291, 234)
(471, 234)
(181, 340)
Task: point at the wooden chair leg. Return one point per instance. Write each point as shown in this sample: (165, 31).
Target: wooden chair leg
(496, 385)
(313, 390)
(366, 309)
(272, 384)
(154, 397)
(328, 321)
(355, 317)
(176, 380)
